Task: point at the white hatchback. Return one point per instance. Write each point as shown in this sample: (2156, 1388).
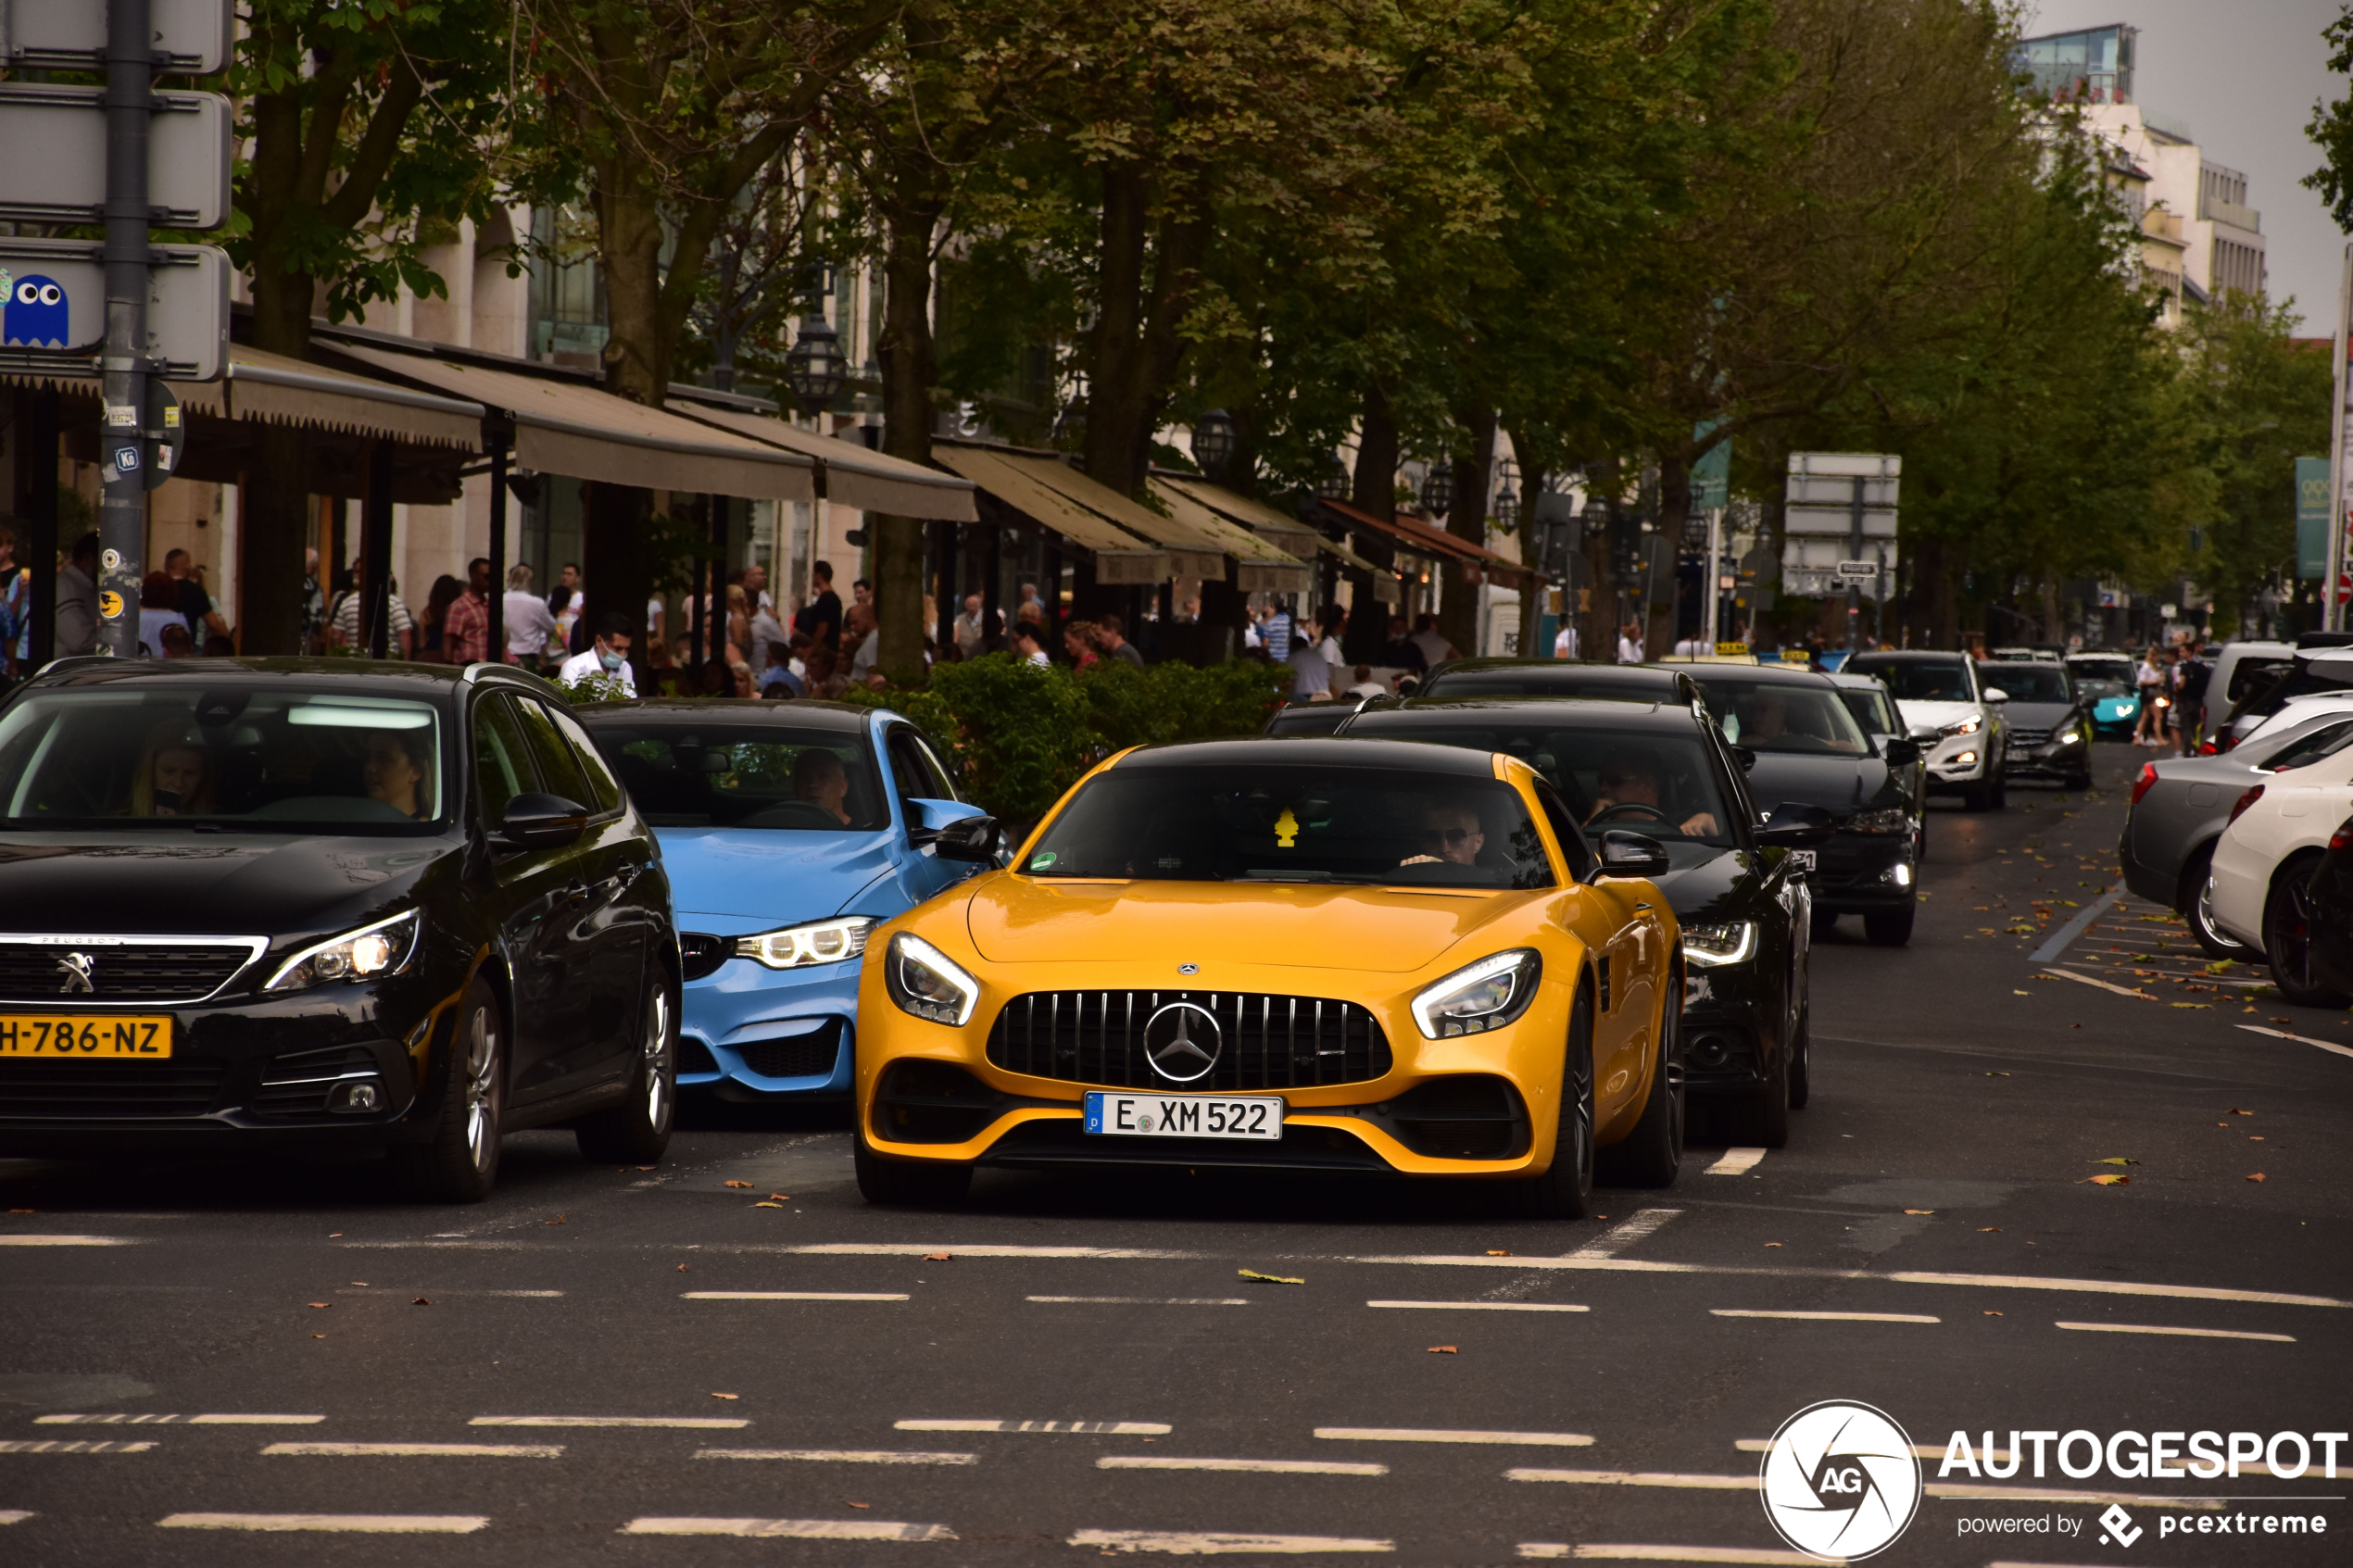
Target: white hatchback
(2278, 831)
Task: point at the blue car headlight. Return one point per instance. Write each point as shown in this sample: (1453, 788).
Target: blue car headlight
(797, 947)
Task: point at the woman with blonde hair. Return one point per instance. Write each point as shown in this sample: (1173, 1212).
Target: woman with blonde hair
(174, 776)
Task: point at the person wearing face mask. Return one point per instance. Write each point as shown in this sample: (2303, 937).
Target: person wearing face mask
(607, 655)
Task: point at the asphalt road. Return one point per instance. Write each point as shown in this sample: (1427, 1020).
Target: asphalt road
(1929, 1243)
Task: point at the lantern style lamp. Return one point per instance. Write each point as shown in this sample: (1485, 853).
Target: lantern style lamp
(815, 368)
(1437, 488)
(1214, 442)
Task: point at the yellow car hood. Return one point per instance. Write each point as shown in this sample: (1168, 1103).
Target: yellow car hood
(1014, 920)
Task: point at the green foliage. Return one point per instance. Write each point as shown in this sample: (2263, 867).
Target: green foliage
(1154, 704)
(594, 686)
(2332, 128)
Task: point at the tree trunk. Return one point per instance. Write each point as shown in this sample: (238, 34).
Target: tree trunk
(1531, 591)
(1135, 349)
(1466, 519)
(910, 367)
(1373, 490)
(1660, 617)
(1597, 622)
(274, 503)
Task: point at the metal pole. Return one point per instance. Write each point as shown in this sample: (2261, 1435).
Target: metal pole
(1855, 589)
(697, 591)
(375, 545)
(2332, 616)
(1713, 632)
(494, 640)
(40, 450)
(123, 506)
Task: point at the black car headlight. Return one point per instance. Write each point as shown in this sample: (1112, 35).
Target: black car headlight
(1725, 942)
(2068, 737)
(797, 947)
(371, 952)
(1885, 820)
(1486, 995)
(927, 983)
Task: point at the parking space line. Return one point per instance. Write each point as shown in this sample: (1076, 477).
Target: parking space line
(1110, 1428)
(1208, 1543)
(1144, 1300)
(1439, 1434)
(1645, 1223)
(361, 1523)
(1263, 1466)
(791, 1295)
(1483, 1306)
(1735, 1161)
(1952, 1489)
(224, 1418)
(2075, 927)
(924, 1250)
(28, 1239)
(70, 1445)
(687, 1422)
(1822, 1317)
(419, 1450)
(792, 1529)
(1645, 1551)
(2087, 980)
(842, 1456)
(2299, 1040)
(2185, 1333)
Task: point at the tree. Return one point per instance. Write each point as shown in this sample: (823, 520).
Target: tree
(2330, 128)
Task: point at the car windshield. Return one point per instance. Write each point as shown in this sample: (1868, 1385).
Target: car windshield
(2105, 667)
(2305, 750)
(2028, 682)
(1872, 710)
(1267, 823)
(693, 771)
(1914, 681)
(1778, 717)
(1647, 782)
(266, 758)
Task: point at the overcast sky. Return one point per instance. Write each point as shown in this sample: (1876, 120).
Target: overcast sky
(2244, 77)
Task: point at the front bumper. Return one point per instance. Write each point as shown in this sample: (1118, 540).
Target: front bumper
(1858, 873)
(1731, 1018)
(1959, 762)
(751, 1033)
(2052, 759)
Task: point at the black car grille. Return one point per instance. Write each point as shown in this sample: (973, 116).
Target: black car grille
(1264, 1042)
(2028, 738)
(700, 953)
(110, 1090)
(800, 1056)
(40, 971)
(695, 1056)
(297, 1084)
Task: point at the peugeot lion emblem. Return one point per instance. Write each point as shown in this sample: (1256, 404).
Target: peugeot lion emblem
(1182, 1041)
(73, 971)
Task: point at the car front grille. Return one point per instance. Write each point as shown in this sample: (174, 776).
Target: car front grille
(1264, 1042)
(798, 1056)
(162, 971)
(2029, 737)
(701, 953)
(96, 1090)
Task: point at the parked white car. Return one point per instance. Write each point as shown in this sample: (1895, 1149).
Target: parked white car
(2279, 830)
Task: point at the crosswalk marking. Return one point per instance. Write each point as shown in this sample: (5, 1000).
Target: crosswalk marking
(1113, 1428)
(843, 1456)
(1207, 1543)
(419, 1450)
(68, 1445)
(1645, 1223)
(1432, 1435)
(1735, 1163)
(791, 1295)
(361, 1523)
(687, 1422)
(792, 1529)
(1264, 1466)
(226, 1418)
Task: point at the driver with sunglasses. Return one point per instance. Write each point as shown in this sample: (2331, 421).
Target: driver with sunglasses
(1629, 786)
(1450, 834)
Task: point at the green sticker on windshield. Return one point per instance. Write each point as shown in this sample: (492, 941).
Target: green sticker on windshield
(1040, 862)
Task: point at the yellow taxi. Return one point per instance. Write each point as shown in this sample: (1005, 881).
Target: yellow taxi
(1294, 954)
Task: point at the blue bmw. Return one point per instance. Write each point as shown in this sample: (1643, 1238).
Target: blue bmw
(788, 831)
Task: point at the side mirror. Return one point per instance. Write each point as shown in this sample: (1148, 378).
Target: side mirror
(1794, 826)
(1747, 756)
(1899, 751)
(968, 838)
(1995, 694)
(1926, 736)
(926, 819)
(543, 821)
(1631, 854)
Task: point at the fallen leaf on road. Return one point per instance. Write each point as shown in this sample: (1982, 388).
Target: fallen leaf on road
(556, 1221)
(2022, 992)
(1997, 1074)
(2192, 1004)
(2236, 1111)
(2115, 1160)
(767, 1205)
(780, 1197)
(1993, 1314)
(331, 1234)
(360, 1283)
(738, 1183)
(2255, 1137)
(317, 1337)
(421, 1301)
(716, 1395)
(1498, 1252)
(2108, 1181)
(1443, 1350)
(940, 1257)
(644, 1167)
(2256, 1177)
(1989, 1230)
(1773, 1244)
(1270, 1279)
(858, 1504)
(322, 1303)
(682, 1267)
(36, 1212)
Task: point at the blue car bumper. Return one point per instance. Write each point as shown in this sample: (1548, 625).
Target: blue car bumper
(2116, 712)
(753, 1033)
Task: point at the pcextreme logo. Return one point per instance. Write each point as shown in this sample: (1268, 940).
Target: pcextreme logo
(1841, 1480)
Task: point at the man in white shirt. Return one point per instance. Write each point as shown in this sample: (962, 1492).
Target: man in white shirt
(1564, 645)
(765, 629)
(529, 623)
(607, 655)
(971, 629)
(1366, 685)
(1630, 642)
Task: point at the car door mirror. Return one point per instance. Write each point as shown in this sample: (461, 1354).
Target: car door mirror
(1747, 755)
(926, 819)
(1926, 736)
(1995, 694)
(1794, 826)
(1900, 752)
(968, 838)
(542, 822)
(1631, 854)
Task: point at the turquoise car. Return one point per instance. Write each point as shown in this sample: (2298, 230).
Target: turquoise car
(2107, 678)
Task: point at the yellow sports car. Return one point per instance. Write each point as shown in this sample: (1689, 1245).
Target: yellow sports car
(1295, 954)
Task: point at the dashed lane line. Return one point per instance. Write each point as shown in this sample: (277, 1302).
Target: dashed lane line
(842, 1456)
(2087, 980)
(686, 1422)
(792, 1529)
(1143, 1300)
(419, 1450)
(70, 1445)
(386, 1290)
(1645, 1223)
(1735, 1163)
(1822, 1317)
(358, 1524)
(34, 1238)
(1646, 1551)
(924, 1250)
(218, 1418)
(792, 1296)
(1441, 1434)
(1260, 1466)
(1110, 1428)
(1210, 1543)
(1483, 1306)
(15, 1515)
(1949, 1489)
(2299, 1040)
(2184, 1332)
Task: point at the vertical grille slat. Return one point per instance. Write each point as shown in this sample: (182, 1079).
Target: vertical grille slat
(1268, 1042)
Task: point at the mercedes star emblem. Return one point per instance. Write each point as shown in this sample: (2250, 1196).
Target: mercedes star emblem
(1182, 1041)
(74, 970)
(1189, 968)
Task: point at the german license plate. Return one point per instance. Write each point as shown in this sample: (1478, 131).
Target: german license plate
(1185, 1116)
(85, 1036)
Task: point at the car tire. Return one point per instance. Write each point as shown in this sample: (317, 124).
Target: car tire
(1890, 928)
(637, 1131)
(1977, 798)
(459, 1163)
(1652, 1154)
(2197, 908)
(1822, 922)
(1565, 1190)
(1801, 1058)
(906, 1184)
(2081, 782)
(2287, 937)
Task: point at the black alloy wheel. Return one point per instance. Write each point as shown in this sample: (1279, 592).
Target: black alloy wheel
(2287, 937)
(637, 1131)
(1565, 1190)
(1651, 1155)
(459, 1162)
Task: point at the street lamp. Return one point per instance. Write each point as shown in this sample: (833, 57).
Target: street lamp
(815, 368)
(1216, 440)
(1334, 484)
(1506, 508)
(1437, 488)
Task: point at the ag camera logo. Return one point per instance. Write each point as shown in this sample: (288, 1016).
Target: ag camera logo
(1841, 1480)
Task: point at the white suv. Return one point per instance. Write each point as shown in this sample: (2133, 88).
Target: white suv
(1955, 716)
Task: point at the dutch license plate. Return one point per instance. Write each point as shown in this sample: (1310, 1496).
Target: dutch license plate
(1185, 1116)
(85, 1036)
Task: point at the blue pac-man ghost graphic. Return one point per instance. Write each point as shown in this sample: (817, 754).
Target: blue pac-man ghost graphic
(36, 314)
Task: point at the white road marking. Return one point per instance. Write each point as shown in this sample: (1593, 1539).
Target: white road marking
(1146, 1300)
(924, 1250)
(689, 1422)
(1935, 1488)
(1645, 1551)
(2299, 1040)
(420, 1450)
(1735, 1161)
(31, 1239)
(1638, 1478)
(790, 1296)
(1484, 1306)
(389, 1290)
(14, 1516)
(2087, 980)
(2186, 1333)
(793, 1529)
(1265, 1466)
(1432, 1435)
(1823, 1317)
(1925, 1450)
(1113, 1428)
(365, 1524)
(1205, 1543)
(842, 1456)
(69, 1446)
(1645, 1221)
(229, 1418)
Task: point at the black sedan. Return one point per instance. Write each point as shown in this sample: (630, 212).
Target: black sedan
(2050, 720)
(1802, 746)
(398, 909)
(1662, 770)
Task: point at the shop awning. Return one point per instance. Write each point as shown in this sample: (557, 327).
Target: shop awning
(1120, 557)
(1190, 554)
(1422, 539)
(266, 388)
(1263, 564)
(562, 427)
(849, 473)
(1277, 528)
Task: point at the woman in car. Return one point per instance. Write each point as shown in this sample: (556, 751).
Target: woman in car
(397, 766)
(174, 776)
(819, 778)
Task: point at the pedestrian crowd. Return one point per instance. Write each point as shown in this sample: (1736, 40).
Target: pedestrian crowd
(2171, 681)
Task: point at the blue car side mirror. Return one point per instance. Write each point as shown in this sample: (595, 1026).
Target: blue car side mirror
(931, 822)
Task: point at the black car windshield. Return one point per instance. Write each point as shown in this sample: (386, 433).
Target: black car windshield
(1780, 717)
(1872, 711)
(1917, 681)
(2104, 667)
(2029, 682)
(1266, 822)
(690, 771)
(261, 757)
(1647, 782)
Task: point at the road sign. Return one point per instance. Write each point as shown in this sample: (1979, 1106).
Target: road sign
(1821, 493)
(2343, 590)
(1857, 570)
(2312, 517)
(53, 307)
(1712, 469)
(170, 433)
(192, 35)
(56, 139)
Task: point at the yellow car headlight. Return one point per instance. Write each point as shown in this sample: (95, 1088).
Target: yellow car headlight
(370, 953)
(797, 947)
(1486, 995)
(927, 983)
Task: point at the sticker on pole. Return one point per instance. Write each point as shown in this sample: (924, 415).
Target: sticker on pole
(1839, 1481)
